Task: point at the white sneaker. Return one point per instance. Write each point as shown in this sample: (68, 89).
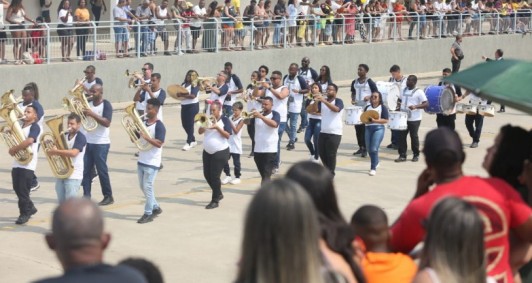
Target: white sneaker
(275, 171)
(316, 160)
(226, 180)
(372, 172)
(193, 144)
(311, 158)
(378, 164)
(80, 58)
(186, 147)
(235, 181)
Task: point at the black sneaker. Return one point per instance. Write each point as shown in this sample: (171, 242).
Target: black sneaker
(415, 158)
(221, 197)
(364, 154)
(35, 187)
(161, 167)
(33, 211)
(23, 218)
(474, 145)
(290, 146)
(107, 201)
(359, 151)
(212, 205)
(156, 211)
(400, 159)
(145, 218)
(390, 145)
(300, 130)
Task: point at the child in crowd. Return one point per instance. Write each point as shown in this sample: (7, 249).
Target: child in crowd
(38, 38)
(379, 263)
(150, 48)
(235, 145)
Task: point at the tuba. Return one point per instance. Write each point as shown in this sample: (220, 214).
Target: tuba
(133, 124)
(77, 103)
(12, 135)
(203, 120)
(8, 101)
(62, 166)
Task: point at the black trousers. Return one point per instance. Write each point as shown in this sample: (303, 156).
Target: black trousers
(264, 162)
(188, 112)
(412, 129)
(328, 148)
(474, 126)
(81, 39)
(360, 131)
(251, 133)
(236, 164)
(446, 120)
(21, 185)
(213, 164)
(455, 65)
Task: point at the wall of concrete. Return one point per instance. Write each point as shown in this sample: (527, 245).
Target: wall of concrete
(414, 57)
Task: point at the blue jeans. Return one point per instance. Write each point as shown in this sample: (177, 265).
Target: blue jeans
(67, 188)
(147, 176)
(96, 154)
(374, 136)
(303, 115)
(144, 32)
(291, 128)
(280, 131)
(277, 34)
(188, 112)
(236, 164)
(311, 136)
(228, 111)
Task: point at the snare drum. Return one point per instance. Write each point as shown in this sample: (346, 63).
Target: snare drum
(390, 94)
(486, 110)
(352, 115)
(397, 120)
(460, 108)
(470, 109)
(440, 99)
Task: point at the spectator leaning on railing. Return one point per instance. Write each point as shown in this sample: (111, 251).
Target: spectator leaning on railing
(16, 15)
(121, 36)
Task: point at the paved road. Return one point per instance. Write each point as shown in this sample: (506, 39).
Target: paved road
(189, 243)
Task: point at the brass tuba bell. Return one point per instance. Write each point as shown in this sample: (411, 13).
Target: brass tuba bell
(134, 125)
(61, 166)
(12, 135)
(77, 102)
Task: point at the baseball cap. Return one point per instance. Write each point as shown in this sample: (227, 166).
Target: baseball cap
(443, 140)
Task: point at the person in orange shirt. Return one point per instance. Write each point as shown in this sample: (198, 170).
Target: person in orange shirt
(380, 264)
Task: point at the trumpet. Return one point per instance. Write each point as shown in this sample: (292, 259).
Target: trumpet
(256, 83)
(134, 76)
(205, 121)
(203, 82)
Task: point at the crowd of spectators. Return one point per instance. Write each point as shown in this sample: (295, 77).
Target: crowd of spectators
(296, 23)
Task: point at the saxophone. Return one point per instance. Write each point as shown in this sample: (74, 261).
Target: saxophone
(12, 135)
(62, 166)
(77, 103)
(133, 124)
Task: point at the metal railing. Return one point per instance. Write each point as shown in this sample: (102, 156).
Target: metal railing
(53, 42)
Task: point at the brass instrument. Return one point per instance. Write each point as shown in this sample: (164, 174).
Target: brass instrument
(203, 82)
(62, 166)
(77, 103)
(134, 125)
(12, 135)
(256, 83)
(133, 78)
(205, 121)
(312, 108)
(176, 91)
(8, 100)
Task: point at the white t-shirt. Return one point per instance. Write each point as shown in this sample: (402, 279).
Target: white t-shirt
(33, 131)
(78, 141)
(266, 137)
(307, 75)
(233, 84)
(156, 94)
(214, 141)
(152, 157)
(191, 90)
(100, 135)
(411, 97)
(295, 100)
(141, 105)
(199, 12)
(70, 19)
(362, 90)
(235, 140)
(279, 105)
(313, 116)
(252, 104)
(2, 16)
(331, 122)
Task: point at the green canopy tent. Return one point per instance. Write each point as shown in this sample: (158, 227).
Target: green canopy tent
(507, 82)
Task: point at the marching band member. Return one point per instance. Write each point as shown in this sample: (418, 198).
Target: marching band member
(400, 80)
(279, 94)
(375, 130)
(331, 109)
(474, 122)
(189, 109)
(149, 161)
(266, 123)
(413, 101)
(215, 151)
(312, 132)
(22, 175)
(235, 145)
(310, 75)
(76, 141)
(147, 70)
(218, 91)
(90, 78)
(297, 87)
(151, 90)
(361, 89)
(30, 96)
(234, 88)
(253, 102)
(448, 120)
(98, 144)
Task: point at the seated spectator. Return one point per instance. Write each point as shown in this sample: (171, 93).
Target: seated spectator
(503, 208)
(79, 241)
(336, 234)
(454, 245)
(379, 263)
(282, 246)
(150, 271)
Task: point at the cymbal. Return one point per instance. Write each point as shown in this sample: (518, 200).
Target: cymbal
(176, 91)
(365, 117)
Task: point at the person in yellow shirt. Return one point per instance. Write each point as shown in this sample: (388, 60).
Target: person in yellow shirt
(236, 4)
(380, 264)
(81, 19)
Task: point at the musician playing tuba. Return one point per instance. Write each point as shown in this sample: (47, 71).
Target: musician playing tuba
(73, 149)
(23, 141)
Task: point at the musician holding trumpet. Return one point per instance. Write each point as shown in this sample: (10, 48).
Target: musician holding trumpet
(76, 142)
(151, 90)
(266, 138)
